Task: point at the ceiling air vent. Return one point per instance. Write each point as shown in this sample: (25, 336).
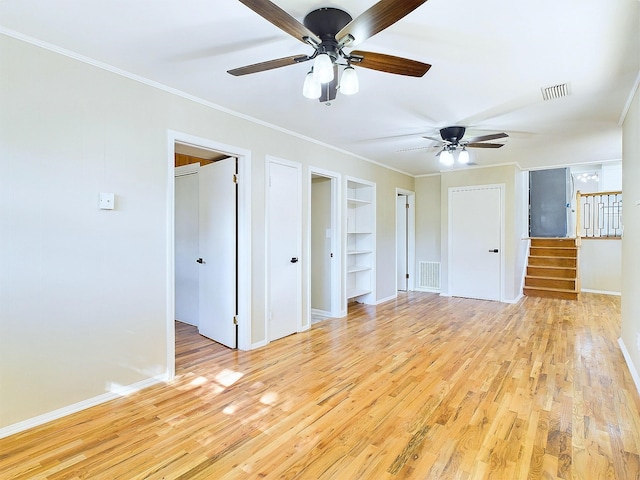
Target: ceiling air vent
(555, 91)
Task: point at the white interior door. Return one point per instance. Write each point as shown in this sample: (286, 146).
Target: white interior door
(186, 248)
(284, 241)
(217, 242)
(402, 237)
(475, 233)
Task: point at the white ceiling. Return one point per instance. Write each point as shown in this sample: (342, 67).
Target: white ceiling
(489, 60)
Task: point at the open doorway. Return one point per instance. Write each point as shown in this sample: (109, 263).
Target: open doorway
(206, 242)
(196, 156)
(324, 297)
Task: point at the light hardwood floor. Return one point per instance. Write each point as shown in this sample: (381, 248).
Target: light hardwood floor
(424, 387)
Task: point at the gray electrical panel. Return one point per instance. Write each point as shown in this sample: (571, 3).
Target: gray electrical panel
(549, 202)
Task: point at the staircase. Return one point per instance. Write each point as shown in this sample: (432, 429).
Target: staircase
(552, 271)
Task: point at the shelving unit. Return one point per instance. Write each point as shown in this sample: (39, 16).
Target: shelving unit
(361, 242)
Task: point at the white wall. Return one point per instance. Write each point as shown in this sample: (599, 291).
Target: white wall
(428, 221)
(631, 237)
(600, 266)
(84, 292)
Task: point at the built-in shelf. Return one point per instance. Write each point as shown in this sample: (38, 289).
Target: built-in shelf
(358, 252)
(360, 241)
(358, 268)
(353, 293)
(358, 201)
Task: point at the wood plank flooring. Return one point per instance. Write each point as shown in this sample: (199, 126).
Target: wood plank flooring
(423, 387)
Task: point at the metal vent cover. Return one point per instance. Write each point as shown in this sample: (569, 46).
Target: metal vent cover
(555, 91)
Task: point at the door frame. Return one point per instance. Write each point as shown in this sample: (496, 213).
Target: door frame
(303, 321)
(411, 239)
(501, 187)
(338, 308)
(244, 237)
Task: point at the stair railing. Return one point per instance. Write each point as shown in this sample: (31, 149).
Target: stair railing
(599, 215)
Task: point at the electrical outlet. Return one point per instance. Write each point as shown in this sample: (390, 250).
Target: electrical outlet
(638, 341)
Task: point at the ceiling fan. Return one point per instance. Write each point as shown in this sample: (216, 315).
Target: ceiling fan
(452, 139)
(328, 31)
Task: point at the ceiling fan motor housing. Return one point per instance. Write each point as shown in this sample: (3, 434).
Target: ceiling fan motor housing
(452, 134)
(326, 22)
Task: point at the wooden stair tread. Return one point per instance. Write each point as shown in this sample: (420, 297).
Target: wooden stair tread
(550, 278)
(547, 289)
(557, 267)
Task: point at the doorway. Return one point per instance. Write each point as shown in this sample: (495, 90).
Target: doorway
(206, 242)
(178, 142)
(476, 241)
(323, 249)
(405, 235)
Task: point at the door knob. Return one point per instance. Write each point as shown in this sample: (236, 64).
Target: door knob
(200, 260)
(294, 259)
(495, 250)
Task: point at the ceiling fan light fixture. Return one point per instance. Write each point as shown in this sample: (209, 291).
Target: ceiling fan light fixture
(311, 88)
(463, 156)
(349, 84)
(446, 158)
(323, 68)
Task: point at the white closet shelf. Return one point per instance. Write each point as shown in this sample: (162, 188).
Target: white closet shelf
(358, 268)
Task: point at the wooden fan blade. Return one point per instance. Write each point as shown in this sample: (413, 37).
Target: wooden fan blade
(485, 145)
(330, 90)
(268, 65)
(389, 63)
(439, 140)
(483, 138)
(281, 19)
(380, 16)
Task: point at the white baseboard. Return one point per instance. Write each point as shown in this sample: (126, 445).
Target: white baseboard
(117, 392)
(260, 344)
(427, 290)
(630, 365)
(602, 292)
(320, 313)
(514, 300)
(382, 300)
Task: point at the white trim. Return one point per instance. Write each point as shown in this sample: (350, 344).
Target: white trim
(572, 165)
(336, 245)
(244, 236)
(427, 290)
(627, 105)
(303, 322)
(502, 189)
(116, 392)
(630, 365)
(382, 300)
(514, 300)
(601, 292)
(179, 93)
(476, 167)
(525, 264)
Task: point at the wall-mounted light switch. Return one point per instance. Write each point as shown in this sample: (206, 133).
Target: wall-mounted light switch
(107, 201)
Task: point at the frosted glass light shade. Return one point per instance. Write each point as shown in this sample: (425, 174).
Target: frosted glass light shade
(349, 84)
(311, 88)
(463, 157)
(323, 68)
(446, 158)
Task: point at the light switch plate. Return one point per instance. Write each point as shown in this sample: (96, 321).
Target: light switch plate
(107, 201)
